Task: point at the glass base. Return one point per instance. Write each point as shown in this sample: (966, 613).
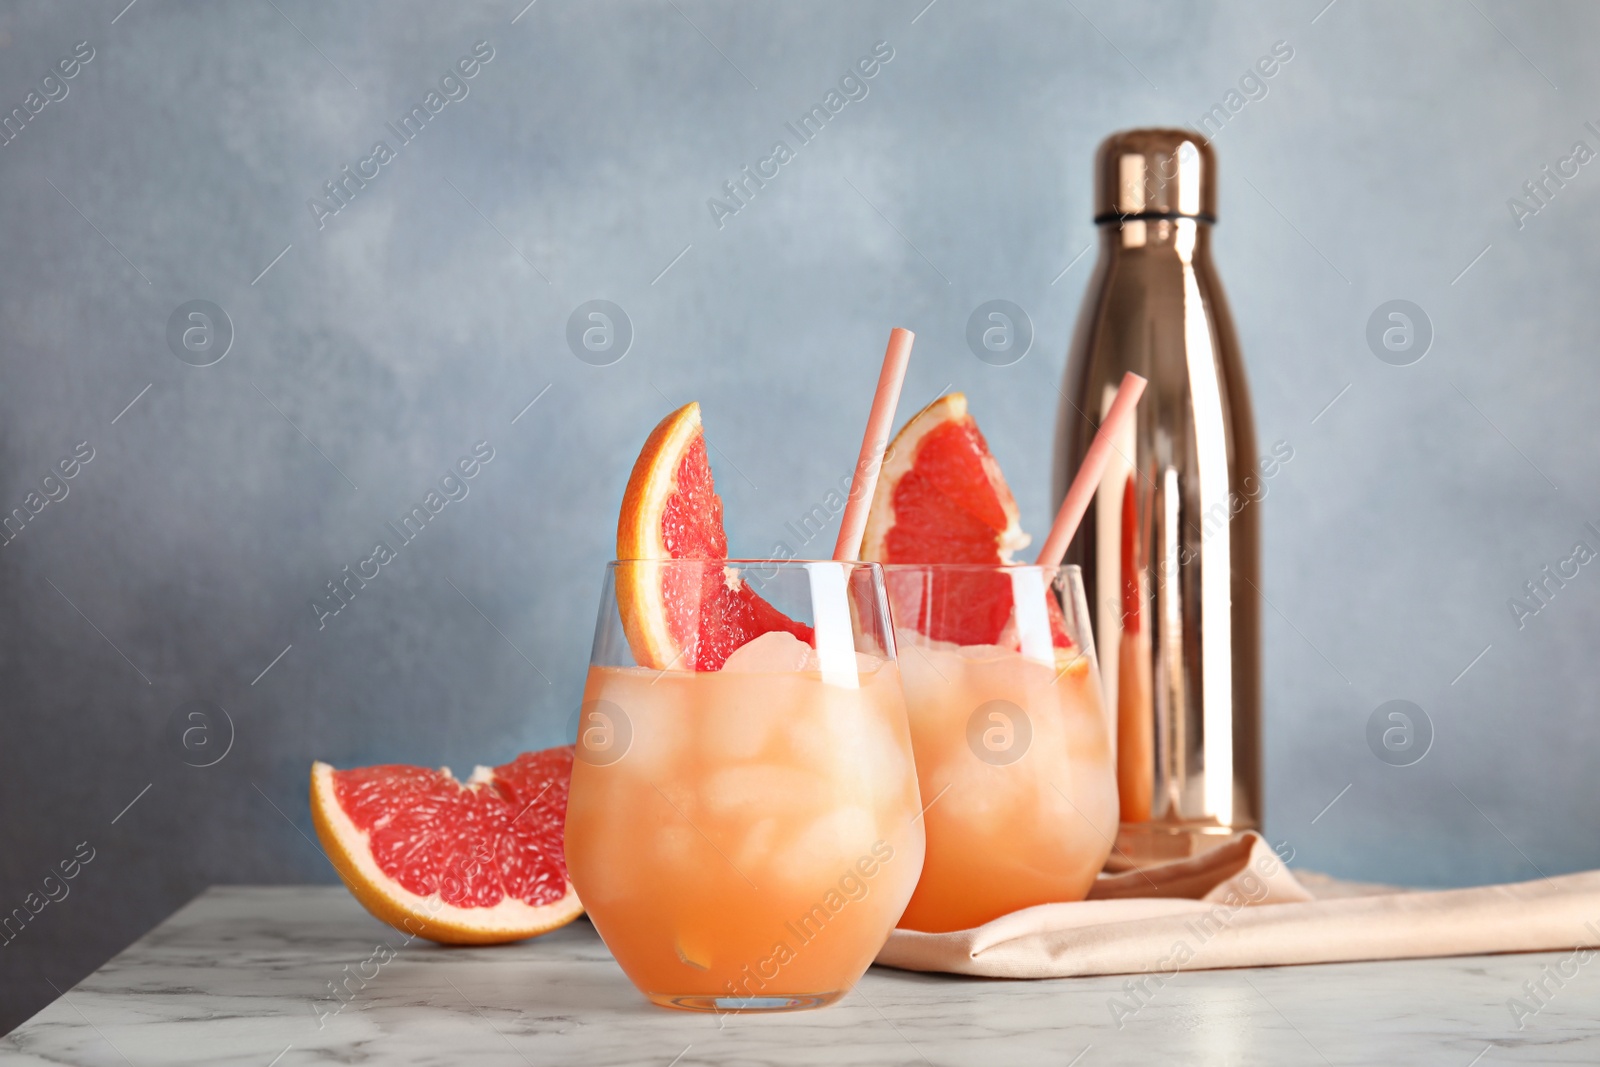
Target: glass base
(1144, 844)
(743, 1005)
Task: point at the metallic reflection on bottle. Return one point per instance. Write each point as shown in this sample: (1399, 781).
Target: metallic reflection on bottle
(1171, 565)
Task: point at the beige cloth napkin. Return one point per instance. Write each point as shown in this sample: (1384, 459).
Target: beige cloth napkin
(1239, 906)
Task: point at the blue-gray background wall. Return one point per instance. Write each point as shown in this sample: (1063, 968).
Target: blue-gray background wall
(426, 314)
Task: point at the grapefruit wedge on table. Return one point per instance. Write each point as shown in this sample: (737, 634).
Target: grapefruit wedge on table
(474, 862)
(687, 618)
(942, 499)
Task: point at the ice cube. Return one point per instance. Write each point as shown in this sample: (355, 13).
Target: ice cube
(870, 760)
(736, 731)
(986, 652)
(740, 795)
(828, 847)
(866, 663)
(757, 844)
(852, 744)
(776, 652)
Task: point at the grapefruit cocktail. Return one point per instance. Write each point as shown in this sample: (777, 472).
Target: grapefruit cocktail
(743, 820)
(1013, 748)
(745, 838)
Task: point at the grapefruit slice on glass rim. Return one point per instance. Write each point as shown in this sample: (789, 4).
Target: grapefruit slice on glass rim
(687, 618)
(468, 863)
(941, 498)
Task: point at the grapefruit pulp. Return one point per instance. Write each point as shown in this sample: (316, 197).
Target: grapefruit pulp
(941, 498)
(684, 617)
(474, 862)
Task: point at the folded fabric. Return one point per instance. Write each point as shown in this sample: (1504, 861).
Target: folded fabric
(1239, 906)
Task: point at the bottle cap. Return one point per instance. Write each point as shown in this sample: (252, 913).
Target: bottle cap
(1155, 174)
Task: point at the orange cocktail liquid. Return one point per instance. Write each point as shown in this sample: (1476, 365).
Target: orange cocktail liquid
(1022, 810)
(758, 839)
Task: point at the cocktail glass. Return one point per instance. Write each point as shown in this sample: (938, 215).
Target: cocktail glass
(745, 839)
(1013, 747)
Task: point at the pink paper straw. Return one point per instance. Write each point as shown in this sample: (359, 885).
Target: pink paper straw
(1087, 480)
(854, 523)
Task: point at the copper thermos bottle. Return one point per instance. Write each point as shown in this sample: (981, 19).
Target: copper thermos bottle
(1170, 547)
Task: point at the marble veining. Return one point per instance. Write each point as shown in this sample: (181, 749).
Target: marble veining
(246, 976)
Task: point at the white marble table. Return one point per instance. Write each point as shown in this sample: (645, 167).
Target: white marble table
(241, 977)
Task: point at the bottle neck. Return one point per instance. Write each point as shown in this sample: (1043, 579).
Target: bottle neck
(1188, 239)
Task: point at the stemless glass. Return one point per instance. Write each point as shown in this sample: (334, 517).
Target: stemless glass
(1012, 743)
(744, 838)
